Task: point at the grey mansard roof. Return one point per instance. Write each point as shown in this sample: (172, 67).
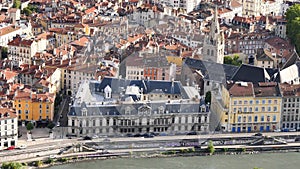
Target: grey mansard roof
(148, 86)
(90, 96)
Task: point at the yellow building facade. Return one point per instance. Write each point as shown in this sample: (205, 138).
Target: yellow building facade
(250, 108)
(34, 107)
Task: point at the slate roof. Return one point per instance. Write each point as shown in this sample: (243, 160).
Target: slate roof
(211, 70)
(249, 73)
(148, 86)
(90, 96)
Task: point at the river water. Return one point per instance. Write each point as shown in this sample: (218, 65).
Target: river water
(264, 160)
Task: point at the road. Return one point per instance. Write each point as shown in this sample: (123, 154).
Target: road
(46, 147)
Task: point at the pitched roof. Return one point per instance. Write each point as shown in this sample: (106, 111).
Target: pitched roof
(241, 89)
(246, 73)
(266, 89)
(211, 70)
(8, 29)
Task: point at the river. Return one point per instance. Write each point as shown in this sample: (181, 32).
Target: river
(264, 160)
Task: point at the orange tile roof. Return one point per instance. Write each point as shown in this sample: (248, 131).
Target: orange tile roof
(8, 29)
(9, 74)
(7, 113)
(91, 10)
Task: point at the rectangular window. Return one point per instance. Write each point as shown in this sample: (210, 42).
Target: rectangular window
(257, 102)
(262, 118)
(262, 109)
(274, 118)
(256, 109)
(251, 102)
(249, 119)
(263, 101)
(235, 102)
(245, 109)
(269, 109)
(240, 119)
(245, 102)
(270, 101)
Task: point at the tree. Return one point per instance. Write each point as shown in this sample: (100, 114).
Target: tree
(27, 11)
(232, 60)
(17, 4)
(210, 147)
(208, 97)
(293, 25)
(3, 52)
(12, 165)
(38, 163)
(30, 9)
(51, 125)
(29, 126)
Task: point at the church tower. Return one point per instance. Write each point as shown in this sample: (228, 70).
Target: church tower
(214, 42)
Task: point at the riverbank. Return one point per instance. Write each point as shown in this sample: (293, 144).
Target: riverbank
(186, 152)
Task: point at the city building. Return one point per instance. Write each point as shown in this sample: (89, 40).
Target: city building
(280, 29)
(22, 51)
(281, 49)
(117, 106)
(31, 106)
(249, 107)
(265, 7)
(8, 128)
(7, 33)
(290, 118)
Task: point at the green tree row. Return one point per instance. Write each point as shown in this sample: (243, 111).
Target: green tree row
(12, 165)
(293, 25)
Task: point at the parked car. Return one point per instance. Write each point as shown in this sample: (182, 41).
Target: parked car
(292, 130)
(277, 130)
(192, 133)
(23, 146)
(106, 140)
(163, 134)
(87, 138)
(129, 135)
(148, 135)
(137, 135)
(11, 148)
(95, 137)
(258, 134)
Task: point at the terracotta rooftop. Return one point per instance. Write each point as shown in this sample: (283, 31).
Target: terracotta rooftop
(290, 90)
(241, 89)
(266, 89)
(8, 29)
(6, 113)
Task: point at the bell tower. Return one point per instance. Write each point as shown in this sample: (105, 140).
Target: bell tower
(214, 42)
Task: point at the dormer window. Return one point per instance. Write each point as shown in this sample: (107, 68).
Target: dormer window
(84, 112)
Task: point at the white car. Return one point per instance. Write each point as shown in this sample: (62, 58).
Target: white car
(52, 156)
(58, 124)
(23, 146)
(292, 130)
(95, 137)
